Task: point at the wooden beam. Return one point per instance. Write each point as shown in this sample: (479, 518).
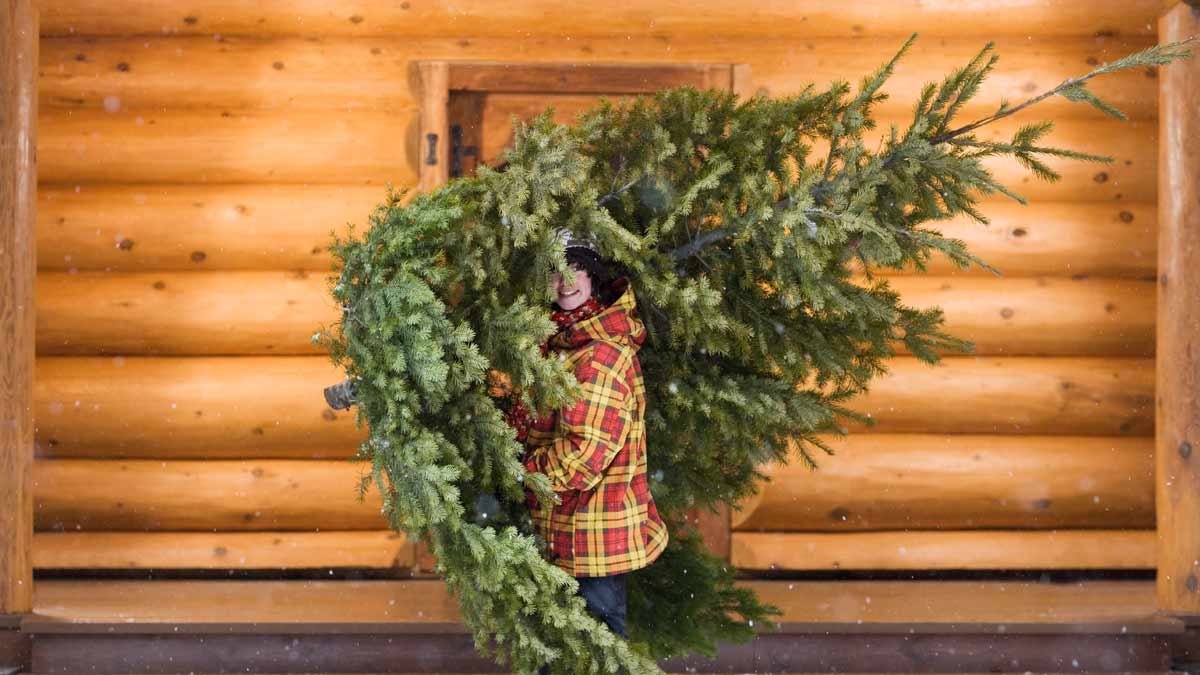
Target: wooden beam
(277, 312)
(279, 550)
(532, 20)
(433, 155)
(18, 267)
(950, 481)
(206, 407)
(584, 78)
(1177, 383)
(421, 605)
(92, 148)
(191, 227)
(945, 550)
(360, 73)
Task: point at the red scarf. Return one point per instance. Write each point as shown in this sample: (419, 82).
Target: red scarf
(565, 317)
(516, 415)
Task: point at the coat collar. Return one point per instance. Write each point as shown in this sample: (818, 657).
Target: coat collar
(617, 322)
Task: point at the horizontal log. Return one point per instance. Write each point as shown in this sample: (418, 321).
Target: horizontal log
(221, 550)
(136, 228)
(1088, 396)
(956, 482)
(944, 550)
(1106, 606)
(272, 406)
(1039, 316)
(223, 601)
(278, 312)
(347, 73)
(184, 312)
(532, 19)
(366, 147)
(1080, 239)
(141, 228)
(246, 495)
(190, 407)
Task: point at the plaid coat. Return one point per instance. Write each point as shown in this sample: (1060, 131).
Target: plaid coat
(595, 451)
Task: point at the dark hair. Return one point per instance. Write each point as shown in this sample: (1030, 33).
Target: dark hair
(600, 271)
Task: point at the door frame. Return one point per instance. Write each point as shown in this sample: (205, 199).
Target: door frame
(439, 77)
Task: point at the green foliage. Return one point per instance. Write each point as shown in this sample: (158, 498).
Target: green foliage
(737, 240)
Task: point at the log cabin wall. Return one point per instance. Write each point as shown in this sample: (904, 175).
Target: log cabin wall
(193, 163)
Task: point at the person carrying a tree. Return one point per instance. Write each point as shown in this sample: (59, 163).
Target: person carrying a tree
(594, 452)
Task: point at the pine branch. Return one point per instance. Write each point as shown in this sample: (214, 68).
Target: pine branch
(1152, 56)
(1073, 88)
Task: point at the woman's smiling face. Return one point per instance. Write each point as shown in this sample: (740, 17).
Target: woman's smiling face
(571, 294)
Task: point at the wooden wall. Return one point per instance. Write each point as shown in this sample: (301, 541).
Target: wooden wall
(194, 161)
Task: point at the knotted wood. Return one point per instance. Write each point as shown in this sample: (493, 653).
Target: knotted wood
(18, 266)
(1178, 364)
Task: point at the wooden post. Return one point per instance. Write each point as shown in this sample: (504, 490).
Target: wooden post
(18, 267)
(1177, 381)
(434, 159)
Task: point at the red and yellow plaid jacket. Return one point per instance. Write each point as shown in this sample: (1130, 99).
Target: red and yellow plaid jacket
(595, 451)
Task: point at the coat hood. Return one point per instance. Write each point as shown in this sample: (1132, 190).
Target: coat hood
(618, 322)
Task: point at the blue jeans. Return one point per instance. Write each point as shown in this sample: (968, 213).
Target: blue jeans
(605, 597)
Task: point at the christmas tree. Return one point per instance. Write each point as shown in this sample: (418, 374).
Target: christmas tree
(738, 234)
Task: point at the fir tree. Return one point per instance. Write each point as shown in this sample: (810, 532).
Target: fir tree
(737, 236)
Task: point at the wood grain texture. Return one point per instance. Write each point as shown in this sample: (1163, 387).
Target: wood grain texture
(957, 481)
(1079, 239)
(18, 266)
(854, 606)
(354, 73)
(181, 313)
(574, 78)
(366, 147)
(945, 550)
(1178, 289)
(240, 495)
(537, 18)
(58, 602)
(876, 481)
(262, 313)
(291, 118)
(1040, 316)
(190, 407)
(433, 138)
(1090, 396)
(1009, 606)
(143, 228)
(371, 148)
(272, 406)
(222, 550)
